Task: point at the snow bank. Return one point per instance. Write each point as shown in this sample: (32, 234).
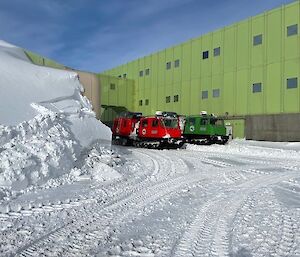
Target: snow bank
(45, 122)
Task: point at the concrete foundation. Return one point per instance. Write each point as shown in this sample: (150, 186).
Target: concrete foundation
(275, 127)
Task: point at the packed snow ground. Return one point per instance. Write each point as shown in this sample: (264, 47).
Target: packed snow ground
(241, 199)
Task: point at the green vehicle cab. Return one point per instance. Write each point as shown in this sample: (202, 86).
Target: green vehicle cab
(205, 129)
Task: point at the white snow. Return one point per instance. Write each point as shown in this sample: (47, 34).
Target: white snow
(45, 122)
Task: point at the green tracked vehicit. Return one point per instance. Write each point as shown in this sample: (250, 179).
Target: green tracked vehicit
(205, 129)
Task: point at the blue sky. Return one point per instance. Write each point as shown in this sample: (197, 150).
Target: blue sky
(96, 35)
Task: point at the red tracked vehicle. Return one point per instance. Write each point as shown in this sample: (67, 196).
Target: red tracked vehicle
(159, 131)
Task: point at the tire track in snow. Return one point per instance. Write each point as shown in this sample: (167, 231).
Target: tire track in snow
(93, 225)
(208, 235)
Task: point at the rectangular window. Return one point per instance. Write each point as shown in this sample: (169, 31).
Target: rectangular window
(155, 123)
(176, 98)
(177, 63)
(216, 92)
(141, 73)
(120, 76)
(124, 75)
(256, 88)
(205, 55)
(147, 72)
(140, 102)
(292, 30)
(168, 65)
(292, 83)
(112, 86)
(147, 102)
(217, 51)
(257, 40)
(145, 123)
(204, 94)
(168, 99)
(204, 121)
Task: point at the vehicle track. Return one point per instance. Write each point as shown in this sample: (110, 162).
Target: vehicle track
(208, 235)
(91, 226)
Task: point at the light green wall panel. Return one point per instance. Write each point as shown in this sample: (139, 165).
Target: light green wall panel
(242, 87)
(229, 49)
(228, 94)
(273, 88)
(243, 44)
(256, 103)
(186, 61)
(186, 96)
(196, 58)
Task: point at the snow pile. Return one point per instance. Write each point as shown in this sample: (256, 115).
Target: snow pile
(45, 122)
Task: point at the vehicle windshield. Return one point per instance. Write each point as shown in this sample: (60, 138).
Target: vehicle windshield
(217, 122)
(170, 123)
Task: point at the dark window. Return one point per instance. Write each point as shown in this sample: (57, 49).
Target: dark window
(112, 86)
(192, 121)
(154, 123)
(205, 55)
(168, 65)
(257, 40)
(141, 73)
(147, 102)
(204, 94)
(216, 92)
(177, 63)
(256, 88)
(203, 122)
(217, 51)
(292, 30)
(168, 99)
(124, 75)
(120, 76)
(147, 72)
(140, 102)
(292, 83)
(145, 123)
(176, 98)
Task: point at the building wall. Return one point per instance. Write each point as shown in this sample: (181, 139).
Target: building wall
(239, 65)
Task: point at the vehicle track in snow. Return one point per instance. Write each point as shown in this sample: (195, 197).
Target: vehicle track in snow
(78, 237)
(209, 234)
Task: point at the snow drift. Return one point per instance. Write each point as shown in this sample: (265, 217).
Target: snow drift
(45, 122)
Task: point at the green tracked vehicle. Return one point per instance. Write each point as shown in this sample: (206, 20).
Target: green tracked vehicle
(205, 129)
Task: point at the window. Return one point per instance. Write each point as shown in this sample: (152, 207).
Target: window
(120, 76)
(168, 65)
(216, 92)
(203, 122)
(192, 121)
(147, 102)
(140, 102)
(205, 55)
(256, 88)
(257, 40)
(124, 123)
(141, 73)
(176, 98)
(292, 83)
(177, 63)
(168, 99)
(155, 123)
(144, 123)
(112, 86)
(292, 30)
(217, 51)
(204, 94)
(147, 72)
(124, 75)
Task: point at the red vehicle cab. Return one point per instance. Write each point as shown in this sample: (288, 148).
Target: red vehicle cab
(124, 126)
(162, 130)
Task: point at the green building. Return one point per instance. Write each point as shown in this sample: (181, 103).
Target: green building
(247, 72)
